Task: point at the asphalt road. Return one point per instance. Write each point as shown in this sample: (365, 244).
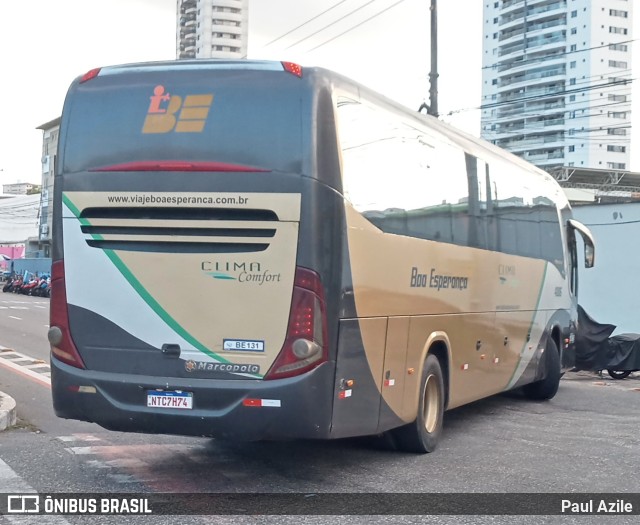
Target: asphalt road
(585, 440)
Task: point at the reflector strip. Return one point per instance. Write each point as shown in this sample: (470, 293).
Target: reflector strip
(344, 393)
(262, 403)
(465, 366)
(389, 382)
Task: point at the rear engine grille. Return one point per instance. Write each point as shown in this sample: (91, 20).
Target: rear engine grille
(170, 230)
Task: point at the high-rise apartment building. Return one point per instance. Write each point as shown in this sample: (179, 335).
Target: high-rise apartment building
(557, 81)
(212, 28)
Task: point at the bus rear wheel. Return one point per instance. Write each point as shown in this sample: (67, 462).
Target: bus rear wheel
(423, 434)
(548, 387)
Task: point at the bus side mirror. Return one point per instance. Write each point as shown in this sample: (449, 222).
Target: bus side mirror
(589, 245)
(589, 256)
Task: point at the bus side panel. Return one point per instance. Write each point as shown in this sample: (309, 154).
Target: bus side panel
(528, 329)
(358, 375)
(394, 373)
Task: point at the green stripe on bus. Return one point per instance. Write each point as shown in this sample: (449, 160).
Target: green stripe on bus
(544, 277)
(76, 212)
(145, 295)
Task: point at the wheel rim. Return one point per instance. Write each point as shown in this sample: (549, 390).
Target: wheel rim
(431, 403)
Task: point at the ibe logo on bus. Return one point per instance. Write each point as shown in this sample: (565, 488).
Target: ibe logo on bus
(168, 112)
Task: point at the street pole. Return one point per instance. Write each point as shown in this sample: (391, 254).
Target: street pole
(433, 75)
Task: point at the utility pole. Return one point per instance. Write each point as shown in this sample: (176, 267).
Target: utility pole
(432, 107)
(433, 75)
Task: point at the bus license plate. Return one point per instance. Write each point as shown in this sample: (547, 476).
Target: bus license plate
(170, 399)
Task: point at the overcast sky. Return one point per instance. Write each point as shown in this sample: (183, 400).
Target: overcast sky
(44, 49)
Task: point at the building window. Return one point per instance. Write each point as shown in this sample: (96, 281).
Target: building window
(618, 47)
(616, 131)
(574, 47)
(572, 148)
(617, 63)
(572, 81)
(572, 98)
(618, 12)
(618, 30)
(572, 64)
(617, 80)
(617, 114)
(574, 30)
(617, 149)
(617, 98)
(616, 165)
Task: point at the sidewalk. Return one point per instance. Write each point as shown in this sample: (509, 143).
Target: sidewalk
(7, 411)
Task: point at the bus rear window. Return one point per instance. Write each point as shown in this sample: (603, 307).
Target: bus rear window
(223, 117)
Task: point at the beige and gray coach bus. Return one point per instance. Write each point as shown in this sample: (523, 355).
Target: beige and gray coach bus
(256, 250)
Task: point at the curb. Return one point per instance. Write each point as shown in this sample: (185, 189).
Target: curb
(7, 411)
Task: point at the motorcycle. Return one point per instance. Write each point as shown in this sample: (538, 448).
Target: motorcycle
(28, 288)
(597, 350)
(13, 285)
(43, 289)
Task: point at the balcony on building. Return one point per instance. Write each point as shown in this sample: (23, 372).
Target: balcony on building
(526, 142)
(511, 18)
(543, 10)
(510, 6)
(541, 156)
(540, 27)
(522, 62)
(532, 77)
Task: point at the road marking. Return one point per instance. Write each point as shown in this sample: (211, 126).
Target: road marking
(17, 318)
(8, 358)
(151, 464)
(11, 483)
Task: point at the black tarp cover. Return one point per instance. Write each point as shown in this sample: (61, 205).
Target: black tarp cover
(596, 349)
(624, 352)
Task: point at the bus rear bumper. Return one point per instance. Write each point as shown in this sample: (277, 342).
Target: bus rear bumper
(248, 410)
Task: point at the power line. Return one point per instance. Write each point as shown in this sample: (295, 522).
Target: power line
(562, 92)
(305, 23)
(330, 24)
(621, 76)
(356, 26)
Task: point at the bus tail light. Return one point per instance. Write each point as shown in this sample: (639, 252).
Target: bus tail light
(90, 75)
(292, 68)
(305, 346)
(62, 346)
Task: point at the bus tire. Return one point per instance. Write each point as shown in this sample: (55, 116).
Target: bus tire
(423, 434)
(548, 387)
